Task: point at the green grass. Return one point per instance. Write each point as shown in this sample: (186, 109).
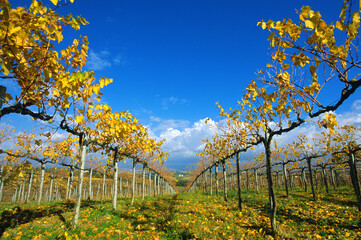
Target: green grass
(189, 216)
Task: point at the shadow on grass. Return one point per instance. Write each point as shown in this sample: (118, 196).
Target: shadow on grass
(327, 197)
(159, 215)
(334, 200)
(285, 215)
(19, 215)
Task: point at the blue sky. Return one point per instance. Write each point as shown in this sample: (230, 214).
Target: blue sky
(175, 59)
(171, 60)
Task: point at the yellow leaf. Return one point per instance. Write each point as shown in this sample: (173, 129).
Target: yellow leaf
(340, 26)
(285, 66)
(106, 108)
(89, 113)
(309, 24)
(313, 70)
(14, 30)
(8, 97)
(56, 92)
(96, 90)
(55, 2)
(264, 25)
(59, 36)
(79, 118)
(5, 67)
(303, 16)
(101, 83)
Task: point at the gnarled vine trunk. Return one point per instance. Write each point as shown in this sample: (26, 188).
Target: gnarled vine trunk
(115, 187)
(143, 183)
(150, 182)
(239, 183)
(323, 167)
(29, 187)
(304, 178)
(285, 180)
(354, 178)
(256, 179)
(217, 183)
(103, 185)
(1, 182)
(271, 194)
(90, 184)
(51, 187)
(224, 182)
(133, 181)
(83, 141)
(211, 180)
(42, 173)
(311, 178)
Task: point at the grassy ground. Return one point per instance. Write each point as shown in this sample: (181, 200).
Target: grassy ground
(189, 216)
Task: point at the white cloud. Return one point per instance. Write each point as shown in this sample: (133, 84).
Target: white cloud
(175, 100)
(170, 134)
(171, 123)
(98, 61)
(7, 142)
(5, 125)
(111, 19)
(103, 59)
(155, 119)
(58, 136)
(310, 128)
(356, 106)
(119, 60)
(349, 118)
(172, 100)
(181, 143)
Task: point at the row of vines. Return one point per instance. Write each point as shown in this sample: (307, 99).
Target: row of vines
(300, 164)
(74, 131)
(314, 69)
(97, 184)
